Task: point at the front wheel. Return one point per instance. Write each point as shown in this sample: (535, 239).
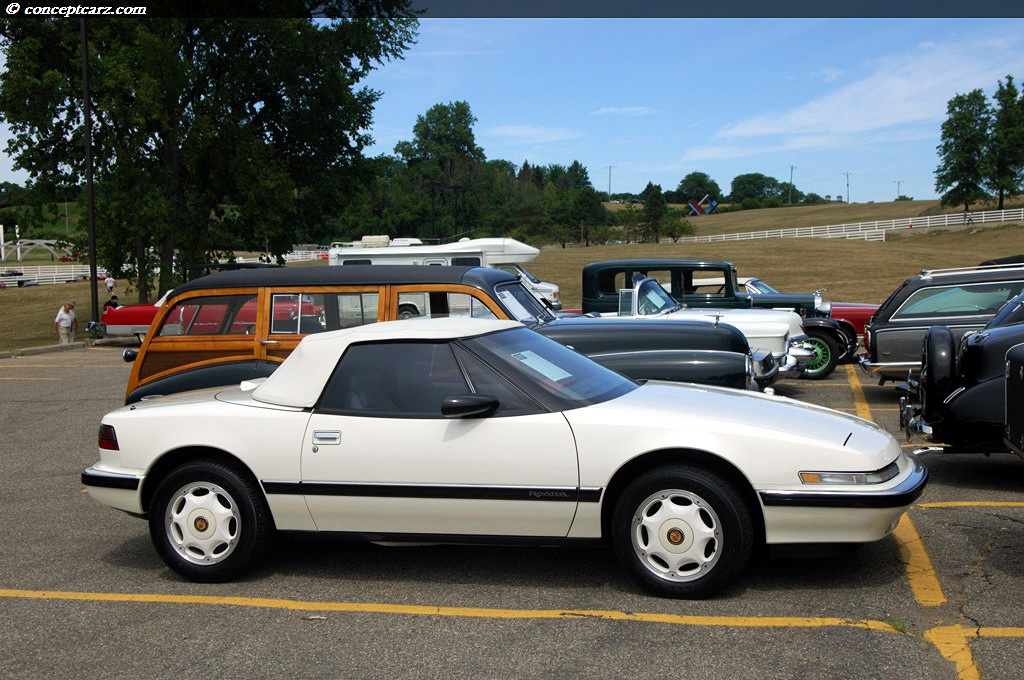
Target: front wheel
(682, 532)
(208, 522)
(826, 356)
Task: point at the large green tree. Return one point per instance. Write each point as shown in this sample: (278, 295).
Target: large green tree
(696, 186)
(208, 135)
(1006, 143)
(753, 185)
(962, 150)
(446, 157)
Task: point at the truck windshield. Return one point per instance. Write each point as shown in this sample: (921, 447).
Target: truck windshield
(521, 304)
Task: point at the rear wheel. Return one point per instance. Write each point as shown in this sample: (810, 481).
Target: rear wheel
(682, 532)
(208, 522)
(826, 355)
(407, 311)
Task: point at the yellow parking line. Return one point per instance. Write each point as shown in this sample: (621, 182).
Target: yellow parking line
(469, 612)
(972, 504)
(923, 579)
(952, 644)
(863, 410)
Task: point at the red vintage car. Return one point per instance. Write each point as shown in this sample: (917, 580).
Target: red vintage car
(854, 313)
(136, 319)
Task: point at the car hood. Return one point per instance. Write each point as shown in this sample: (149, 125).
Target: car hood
(767, 434)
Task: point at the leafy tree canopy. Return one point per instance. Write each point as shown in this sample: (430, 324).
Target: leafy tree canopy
(696, 186)
(208, 135)
(961, 170)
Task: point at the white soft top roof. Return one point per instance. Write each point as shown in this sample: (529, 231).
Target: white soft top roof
(300, 379)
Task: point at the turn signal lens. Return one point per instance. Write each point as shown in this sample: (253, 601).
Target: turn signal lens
(876, 477)
(108, 438)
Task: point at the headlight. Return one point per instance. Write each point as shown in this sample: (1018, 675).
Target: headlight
(824, 308)
(876, 477)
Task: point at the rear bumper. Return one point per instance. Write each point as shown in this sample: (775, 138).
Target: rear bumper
(892, 370)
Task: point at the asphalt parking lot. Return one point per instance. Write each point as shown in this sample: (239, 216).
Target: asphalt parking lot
(83, 592)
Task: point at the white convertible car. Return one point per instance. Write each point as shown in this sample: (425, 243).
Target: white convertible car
(468, 430)
(778, 331)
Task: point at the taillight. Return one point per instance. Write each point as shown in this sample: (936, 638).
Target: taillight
(867, 340)
(108, 438)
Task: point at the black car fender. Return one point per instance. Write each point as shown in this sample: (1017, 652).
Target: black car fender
(846, 340)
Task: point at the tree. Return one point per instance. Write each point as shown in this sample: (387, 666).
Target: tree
(696, 186)
(1006, 144)
(753, 185)
(203, 139)
(654, 212)
(579, 178)
(962, 150)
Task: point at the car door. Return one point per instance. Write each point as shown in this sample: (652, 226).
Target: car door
(378, 457)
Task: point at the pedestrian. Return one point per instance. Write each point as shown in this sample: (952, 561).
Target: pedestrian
(65, 324)
(112, 303)
(110, 283)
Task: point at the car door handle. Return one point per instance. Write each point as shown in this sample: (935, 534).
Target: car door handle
(326, 437)
(270, 342)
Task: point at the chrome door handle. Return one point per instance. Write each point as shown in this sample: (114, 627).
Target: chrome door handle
(326, 437)
(270, 342)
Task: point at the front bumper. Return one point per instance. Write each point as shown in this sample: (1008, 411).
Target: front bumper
(848, 516)
(793, 362)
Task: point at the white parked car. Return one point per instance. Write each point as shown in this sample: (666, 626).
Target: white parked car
(778, 331)
(467, 430)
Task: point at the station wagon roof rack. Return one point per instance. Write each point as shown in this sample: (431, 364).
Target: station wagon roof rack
(978, 268)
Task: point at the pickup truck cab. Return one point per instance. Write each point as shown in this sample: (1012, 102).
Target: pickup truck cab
(712, 284)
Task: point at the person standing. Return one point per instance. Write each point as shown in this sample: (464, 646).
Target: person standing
(110, 283)
(65, 324)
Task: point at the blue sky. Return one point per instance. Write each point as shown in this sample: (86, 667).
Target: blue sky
(657, 99)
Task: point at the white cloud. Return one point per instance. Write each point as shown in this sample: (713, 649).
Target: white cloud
(908, 88)
(827, 74)
(797, 143)
(624, 111)
(530, 134)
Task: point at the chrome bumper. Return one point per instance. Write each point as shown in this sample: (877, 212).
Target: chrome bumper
(888, 370)
(792, 363)
(912, 422)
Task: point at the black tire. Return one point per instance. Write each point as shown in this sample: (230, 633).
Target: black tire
(407, 311)
(704, 528)
(936, 371)
(826, 355)
(208, 497)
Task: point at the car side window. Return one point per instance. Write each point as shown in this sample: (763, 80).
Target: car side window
(393, 380)
(969, 299)
(442, 304)
(305, 313)
(214, 315)
(487, 382)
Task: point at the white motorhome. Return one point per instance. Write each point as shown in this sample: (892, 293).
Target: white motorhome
(498, 253)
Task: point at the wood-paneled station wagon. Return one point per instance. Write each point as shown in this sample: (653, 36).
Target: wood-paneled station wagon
(236, 325)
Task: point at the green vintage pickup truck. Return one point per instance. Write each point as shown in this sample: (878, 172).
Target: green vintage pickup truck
(712, 284)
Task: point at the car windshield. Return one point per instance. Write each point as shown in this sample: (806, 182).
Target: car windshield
(1011, 314)
(521, 304)
(652, 299)
(531, 277)
(551, 372)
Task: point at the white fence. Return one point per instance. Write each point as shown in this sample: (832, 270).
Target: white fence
(869, 231)
(32, 275)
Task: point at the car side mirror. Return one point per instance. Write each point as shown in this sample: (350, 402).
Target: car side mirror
(129, 355)
(468, 406)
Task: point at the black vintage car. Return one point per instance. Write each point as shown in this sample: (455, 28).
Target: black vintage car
(713, 284)
(231, 326)
(962, 299)
(961, 392)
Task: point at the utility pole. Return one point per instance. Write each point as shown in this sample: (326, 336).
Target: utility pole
(610, 181)
(847, 186)
(791, 168)
(90, 219)
(898, 183)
